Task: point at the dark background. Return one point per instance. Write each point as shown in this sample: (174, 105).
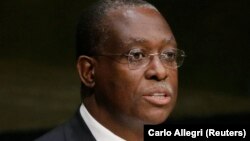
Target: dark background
(39, 86)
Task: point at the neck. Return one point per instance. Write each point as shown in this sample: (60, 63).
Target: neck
(125, 127)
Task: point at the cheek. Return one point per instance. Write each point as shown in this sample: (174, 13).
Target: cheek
(122, 79)
(175, 82)
(117, 84)
(125, 83)
(172, 80)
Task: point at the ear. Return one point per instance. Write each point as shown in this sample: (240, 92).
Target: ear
(86, 70)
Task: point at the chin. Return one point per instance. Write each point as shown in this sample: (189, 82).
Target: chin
(156, 118)
(155, 121)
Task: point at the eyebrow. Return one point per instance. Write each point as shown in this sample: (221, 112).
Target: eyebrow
(139, 41)
(135, 41)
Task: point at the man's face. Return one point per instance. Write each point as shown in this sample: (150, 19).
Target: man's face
(147, 94)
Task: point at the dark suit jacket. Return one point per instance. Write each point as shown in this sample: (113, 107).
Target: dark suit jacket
(73, 130)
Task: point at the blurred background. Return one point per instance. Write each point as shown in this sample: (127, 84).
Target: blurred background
(39, 86)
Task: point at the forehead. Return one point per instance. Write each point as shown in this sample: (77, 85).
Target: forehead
(130, 25)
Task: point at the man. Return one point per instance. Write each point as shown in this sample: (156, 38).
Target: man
(127, 63)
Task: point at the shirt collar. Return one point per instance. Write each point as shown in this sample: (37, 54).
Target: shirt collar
(99, 131)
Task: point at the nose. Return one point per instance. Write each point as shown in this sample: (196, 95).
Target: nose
(156, 70)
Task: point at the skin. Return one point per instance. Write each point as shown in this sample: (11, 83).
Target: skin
(119, 94)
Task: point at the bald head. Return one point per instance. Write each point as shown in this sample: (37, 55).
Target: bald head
(92, 29)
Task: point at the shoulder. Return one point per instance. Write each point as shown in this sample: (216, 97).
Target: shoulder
(73, 130)
(56, 134)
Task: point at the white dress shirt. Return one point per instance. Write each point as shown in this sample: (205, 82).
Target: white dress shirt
(99, 131)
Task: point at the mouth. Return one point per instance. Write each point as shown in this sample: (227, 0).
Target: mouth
(158, 95)
(158, 98)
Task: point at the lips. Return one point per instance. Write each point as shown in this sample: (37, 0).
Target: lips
(157, 98)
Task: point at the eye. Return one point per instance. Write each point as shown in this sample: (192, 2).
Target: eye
(169, 55)
(136, 55)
